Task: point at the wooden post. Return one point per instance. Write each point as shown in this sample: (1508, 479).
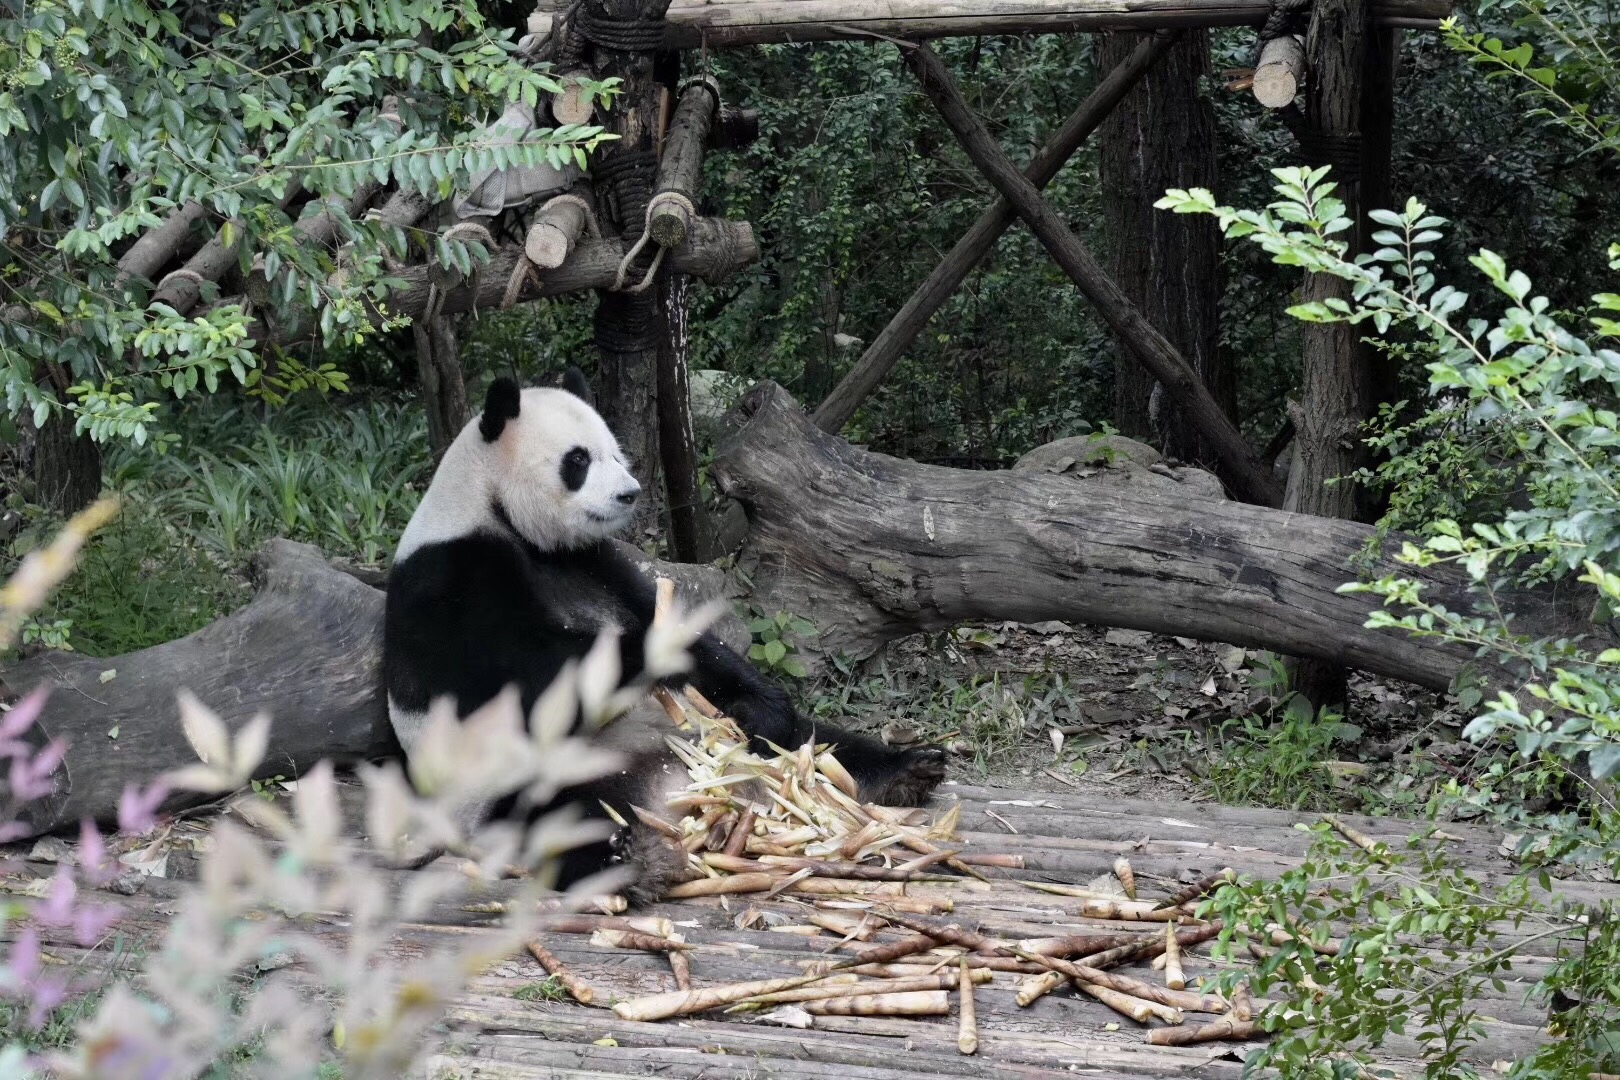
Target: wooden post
(1241, 466)
(691, 535)
(680, 169)
(1332, 404)
(887, 348)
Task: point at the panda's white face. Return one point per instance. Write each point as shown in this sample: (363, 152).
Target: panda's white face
(539, 461)
(558, 472)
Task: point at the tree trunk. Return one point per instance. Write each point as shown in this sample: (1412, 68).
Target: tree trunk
(444, 386)
(1162, 136)
(307, 650)
(1333, 386)
(67, 467)
(872, 548)
(627, 322)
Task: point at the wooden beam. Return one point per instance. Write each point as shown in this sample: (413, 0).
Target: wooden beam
(721, 24)
(1241, 467)
(680, 168)
(890, 345)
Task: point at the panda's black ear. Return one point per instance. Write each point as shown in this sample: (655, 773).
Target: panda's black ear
(574, 381)
(500, 405)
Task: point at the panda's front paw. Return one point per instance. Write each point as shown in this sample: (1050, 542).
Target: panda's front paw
(910, 778)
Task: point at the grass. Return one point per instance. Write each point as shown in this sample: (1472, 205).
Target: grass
(547, 989)
(1277, 761)
(345, 480)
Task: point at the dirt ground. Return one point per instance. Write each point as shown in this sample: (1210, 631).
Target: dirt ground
(1091, 710)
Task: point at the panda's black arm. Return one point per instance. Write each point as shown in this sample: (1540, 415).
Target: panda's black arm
(739, 690)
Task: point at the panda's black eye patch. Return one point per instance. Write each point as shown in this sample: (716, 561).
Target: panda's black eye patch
(575, 464)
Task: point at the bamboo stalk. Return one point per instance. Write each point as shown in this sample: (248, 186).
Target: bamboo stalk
(1224, 1028)
(1152, 945)
(1133, 987)
(853, 871)
(894, 950)
(684, 1002)
(680, 966)
(635, 939)
(722, 886)
(1330, 947)
(1075, 945)
(914, 1003)
(1136, 1008)
(590, 924)
(1174, 978)
(1196, 891)
(1356, 837)
(858, 928)
(554, 967)
(848, 985)
(1036, 987)
(1242, 1003)
(990, 858)
(967, 1035)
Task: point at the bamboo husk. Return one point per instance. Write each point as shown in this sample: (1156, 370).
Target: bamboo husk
(936, 905)
(1057, 889)
(967, 1035)
(952, 935)
(1125, 984)
(1224, 1028)
(556, 969)
(635, 939)
(914, 1003)
(607, 905)
(737, 839)
(930, 963)
(799, 931)
(1174, 978)
(1127, 877)
(1136, 1008)
(1036, 987)
(1198, 889)
(684, 1002)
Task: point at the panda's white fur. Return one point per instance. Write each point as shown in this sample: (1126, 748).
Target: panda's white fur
(506, 572)
(519, 471)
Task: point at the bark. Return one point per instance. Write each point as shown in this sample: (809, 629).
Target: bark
(1333, 388)
(307, 650)
(699, 24)
(691, 534)
(67, 467)
(890, 345)
(1241, 468)
(872, 548)
(680, 170)
(444, 386)
(1162, 136)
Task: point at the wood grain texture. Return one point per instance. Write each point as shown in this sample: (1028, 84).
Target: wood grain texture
(874, 548)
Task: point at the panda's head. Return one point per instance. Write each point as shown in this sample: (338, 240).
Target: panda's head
(541, 462)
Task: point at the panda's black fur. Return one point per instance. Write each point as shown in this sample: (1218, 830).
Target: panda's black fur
(485, 595)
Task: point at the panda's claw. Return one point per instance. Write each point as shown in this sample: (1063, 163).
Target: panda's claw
(911, 778)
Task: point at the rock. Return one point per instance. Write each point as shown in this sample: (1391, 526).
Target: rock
(1118, 461)
(713, 393)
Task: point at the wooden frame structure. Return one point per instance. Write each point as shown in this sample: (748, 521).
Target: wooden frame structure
(634, 222)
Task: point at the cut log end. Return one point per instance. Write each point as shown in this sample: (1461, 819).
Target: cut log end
(1280, 74)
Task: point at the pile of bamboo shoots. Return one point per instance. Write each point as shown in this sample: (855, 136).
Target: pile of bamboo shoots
(792, 828)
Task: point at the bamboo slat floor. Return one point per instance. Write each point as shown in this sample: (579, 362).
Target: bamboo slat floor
(495, 1034)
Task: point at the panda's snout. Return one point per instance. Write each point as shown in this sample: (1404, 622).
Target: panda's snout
(629, 496)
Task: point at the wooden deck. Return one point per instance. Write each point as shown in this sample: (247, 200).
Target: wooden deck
(496, 1035)
(1063, 838)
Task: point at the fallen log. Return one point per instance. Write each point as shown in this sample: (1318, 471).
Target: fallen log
(872, 548)
(307, 650)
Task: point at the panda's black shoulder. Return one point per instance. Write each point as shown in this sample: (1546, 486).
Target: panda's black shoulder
(460, 570)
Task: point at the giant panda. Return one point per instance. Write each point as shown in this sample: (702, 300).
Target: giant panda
(507, 570)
